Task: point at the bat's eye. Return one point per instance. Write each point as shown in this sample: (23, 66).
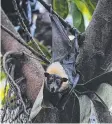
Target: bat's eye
(58, 82)
(50, 81)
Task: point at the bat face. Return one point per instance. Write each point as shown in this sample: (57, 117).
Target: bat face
(54, 82)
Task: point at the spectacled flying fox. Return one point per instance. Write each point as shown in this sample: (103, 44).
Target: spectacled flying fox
(57, 79)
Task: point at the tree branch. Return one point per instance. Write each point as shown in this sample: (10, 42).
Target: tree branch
(26, 29)
(96, 53)
(31, 68)
(24, 44)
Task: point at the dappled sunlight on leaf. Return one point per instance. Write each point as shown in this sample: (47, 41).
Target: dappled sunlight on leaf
(83, 8)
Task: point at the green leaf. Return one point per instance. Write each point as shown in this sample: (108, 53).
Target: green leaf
(77, 17)
(42, 47)
(94, 3)
(2, 75)
(45, 50)
(89, 5)
(83, 8)
(81, 28)
(3, 88)
(61, 7)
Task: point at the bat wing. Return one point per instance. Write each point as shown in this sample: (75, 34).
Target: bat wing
(60, 41)
(63, 50)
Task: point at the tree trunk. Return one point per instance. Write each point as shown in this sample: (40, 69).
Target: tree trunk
(31, 68)
(96, 53)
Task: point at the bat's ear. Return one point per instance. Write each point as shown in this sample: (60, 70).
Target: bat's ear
(46, 74)
(64, 79)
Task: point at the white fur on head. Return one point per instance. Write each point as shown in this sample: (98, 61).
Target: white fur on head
(57, 68)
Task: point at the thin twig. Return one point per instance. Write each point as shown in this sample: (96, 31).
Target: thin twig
(11, 79)
(5, 106)
(27, 54)
(18, 81)
(24, 44)
(25, 28)
(19, 113)
(7, 62)
(107, 76)
(12, 71)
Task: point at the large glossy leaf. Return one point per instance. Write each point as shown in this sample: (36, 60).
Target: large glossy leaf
(90, 5)
(61, 7)
(77, 17)
(81, 28)
(76, 14)
(83, 8)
